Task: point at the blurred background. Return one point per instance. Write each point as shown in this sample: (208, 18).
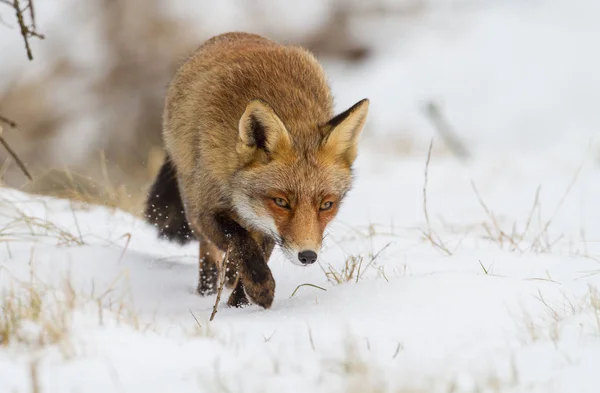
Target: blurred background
(487, 77)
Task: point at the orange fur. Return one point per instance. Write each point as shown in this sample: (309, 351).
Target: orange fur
(246, 121)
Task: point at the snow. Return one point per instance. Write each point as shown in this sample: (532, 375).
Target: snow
(519, 312)
(505, 72)
(487, 316)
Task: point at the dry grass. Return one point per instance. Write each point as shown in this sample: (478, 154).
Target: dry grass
(594, 303)
(559, 314)
(201, 329)
(307, 285)
(429, 234)
(359, 374)
(104, 184)
(496, 233)
(534, 235)
(81, 191)
(347, 273)
(91, 190)
(34, 316)
(354, 268)
(20, 226)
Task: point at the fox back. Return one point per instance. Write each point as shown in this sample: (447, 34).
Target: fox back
(211, 90)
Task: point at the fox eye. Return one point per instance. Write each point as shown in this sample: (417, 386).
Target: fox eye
(281, 203)
(326, 205)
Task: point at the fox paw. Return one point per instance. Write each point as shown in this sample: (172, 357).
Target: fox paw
(260, 287)
(238, 298)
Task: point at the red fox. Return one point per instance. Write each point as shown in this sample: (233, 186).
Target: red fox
(254, 157)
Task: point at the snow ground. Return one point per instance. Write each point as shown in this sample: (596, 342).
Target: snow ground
(510, 316)
(104, 306)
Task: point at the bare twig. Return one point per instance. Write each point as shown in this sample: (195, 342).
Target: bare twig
(36, 34)
(434, 113)
(24, 29)
(14, 156)
(437, 243)
(222, 278)
(27, 31)
(31, 13)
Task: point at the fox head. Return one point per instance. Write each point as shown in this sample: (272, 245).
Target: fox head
(291, 185)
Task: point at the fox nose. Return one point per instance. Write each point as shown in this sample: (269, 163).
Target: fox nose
(307, 257)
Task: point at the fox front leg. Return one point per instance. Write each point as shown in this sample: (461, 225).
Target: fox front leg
(238, 296)
(208, 263)
(244, 253)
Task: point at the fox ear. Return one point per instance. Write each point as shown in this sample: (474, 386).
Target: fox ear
(261, 130)
(341, 133)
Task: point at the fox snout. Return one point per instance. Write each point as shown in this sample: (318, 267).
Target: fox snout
(307, 257)
(301, 254)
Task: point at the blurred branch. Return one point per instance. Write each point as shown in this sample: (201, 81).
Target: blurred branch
(10, 151)
(6, 120)
(27, 30)
(434, 113)
(31, 13)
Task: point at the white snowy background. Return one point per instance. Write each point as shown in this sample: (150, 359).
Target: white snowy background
(499, 292)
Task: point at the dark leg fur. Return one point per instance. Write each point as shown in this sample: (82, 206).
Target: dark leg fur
(245, 255)
(210, 259)
(266, 243)
(164, 208)
(207, 280)
(238, 296)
